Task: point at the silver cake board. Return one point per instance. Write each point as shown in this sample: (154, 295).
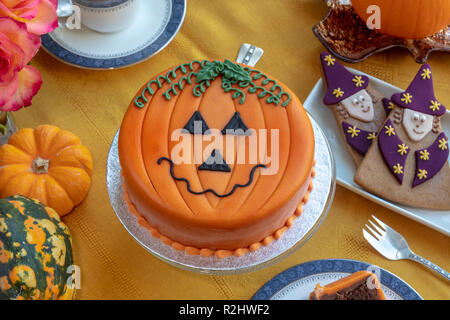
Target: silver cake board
(304, 226)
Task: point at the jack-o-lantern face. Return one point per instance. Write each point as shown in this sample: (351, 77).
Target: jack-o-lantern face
(214, 160)
(218, 144)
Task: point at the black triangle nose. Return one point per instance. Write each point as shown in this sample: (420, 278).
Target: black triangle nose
(215, 162)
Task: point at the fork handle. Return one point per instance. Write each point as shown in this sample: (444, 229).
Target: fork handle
(429, 264)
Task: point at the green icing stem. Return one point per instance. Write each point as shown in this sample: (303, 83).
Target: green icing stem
(200, 88)
(226, 86)
(258, 74)
(179, 85)
(161, 79)
(232, 74)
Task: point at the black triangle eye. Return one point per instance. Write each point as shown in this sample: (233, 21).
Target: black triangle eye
(196, 124)
(215, 162)
(236, 126)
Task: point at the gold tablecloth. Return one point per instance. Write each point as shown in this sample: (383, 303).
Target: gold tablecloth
(92, 104)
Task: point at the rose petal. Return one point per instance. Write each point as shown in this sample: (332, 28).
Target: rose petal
(39, 15)
(7, 11)
(12, 57)
(7, 90)
(30, 82)
(46, 19)
(14, 3)
(26, 9)
(17, 33)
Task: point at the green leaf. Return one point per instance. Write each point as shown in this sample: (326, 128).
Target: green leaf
(210, 71)
(3, 129)
(235, 72)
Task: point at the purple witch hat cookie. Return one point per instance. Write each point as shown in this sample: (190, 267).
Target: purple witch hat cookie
(358, 108)
(420, 94)
(410, 165)
(341, 83)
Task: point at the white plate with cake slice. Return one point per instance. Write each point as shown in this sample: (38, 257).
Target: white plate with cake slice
(297, 283)
(345, 168)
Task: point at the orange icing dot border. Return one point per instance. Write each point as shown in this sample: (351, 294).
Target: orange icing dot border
(221, 253)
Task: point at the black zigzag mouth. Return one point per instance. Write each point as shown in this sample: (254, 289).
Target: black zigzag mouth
(188, 184)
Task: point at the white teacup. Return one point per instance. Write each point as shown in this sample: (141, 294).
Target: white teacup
(107, 15)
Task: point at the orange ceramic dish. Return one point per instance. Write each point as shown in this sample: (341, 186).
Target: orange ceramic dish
(228, 208)
(361, 285)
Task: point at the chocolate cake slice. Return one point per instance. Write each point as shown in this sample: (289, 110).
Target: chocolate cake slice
(361, 285)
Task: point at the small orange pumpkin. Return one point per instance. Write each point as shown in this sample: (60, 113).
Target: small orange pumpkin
(411, 19)
(47, 164)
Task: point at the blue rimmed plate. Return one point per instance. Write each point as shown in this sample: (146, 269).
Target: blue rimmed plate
(157, 23)
(296, 283)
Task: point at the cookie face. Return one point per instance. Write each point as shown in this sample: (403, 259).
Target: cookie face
(359, 106)
(417, 124)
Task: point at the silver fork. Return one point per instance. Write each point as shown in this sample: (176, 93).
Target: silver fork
(393, 246)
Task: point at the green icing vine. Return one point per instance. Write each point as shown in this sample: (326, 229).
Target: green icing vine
(141, 100)
(231, 73)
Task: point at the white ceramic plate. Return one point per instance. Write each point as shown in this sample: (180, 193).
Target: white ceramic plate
(296, 283)
(345, 168)
(157, 23)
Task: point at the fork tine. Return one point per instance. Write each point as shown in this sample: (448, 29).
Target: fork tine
(381, 223)
(380, 231)
(371, 239)
(373, 233)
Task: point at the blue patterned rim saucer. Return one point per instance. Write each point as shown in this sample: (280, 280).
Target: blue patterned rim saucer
(156, 25)
(296, 283)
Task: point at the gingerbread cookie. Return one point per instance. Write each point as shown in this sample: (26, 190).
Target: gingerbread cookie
(408, 163)
(357, 107)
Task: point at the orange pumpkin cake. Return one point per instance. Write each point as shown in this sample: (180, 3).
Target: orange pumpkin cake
(217, 157)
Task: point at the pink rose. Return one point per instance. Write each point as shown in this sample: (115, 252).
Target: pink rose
(39, 15)
(19, 82)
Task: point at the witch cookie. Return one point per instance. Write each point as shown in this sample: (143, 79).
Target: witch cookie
(408, 163)
(357, 107)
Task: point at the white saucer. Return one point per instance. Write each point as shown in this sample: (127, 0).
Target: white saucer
(155, 26)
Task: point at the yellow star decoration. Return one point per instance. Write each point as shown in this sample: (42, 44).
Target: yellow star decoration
(358, 81)
(434, 105)
(398, 169)
(443, 144)
(424, 155)
(330, 60)
(407, 98)
(353, 131)
(391, 105)
(338, 92)
(426, 73)
(422, 174)
(389, 130)
(402, 149)
(372, 136)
